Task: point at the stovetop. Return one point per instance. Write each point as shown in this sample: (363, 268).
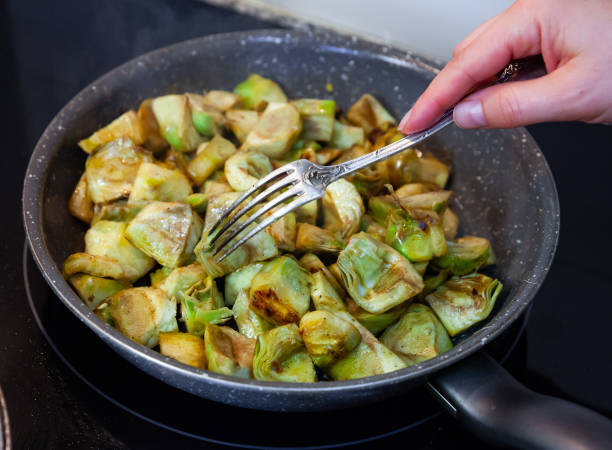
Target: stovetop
(51, 50)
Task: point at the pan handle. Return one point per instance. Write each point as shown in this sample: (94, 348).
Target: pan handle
(483, 396)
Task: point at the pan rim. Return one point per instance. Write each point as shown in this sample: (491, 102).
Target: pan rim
(32, 202)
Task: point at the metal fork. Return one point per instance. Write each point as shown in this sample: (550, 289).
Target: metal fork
(306, 181)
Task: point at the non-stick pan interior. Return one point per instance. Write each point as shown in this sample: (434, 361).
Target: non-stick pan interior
(503, 188)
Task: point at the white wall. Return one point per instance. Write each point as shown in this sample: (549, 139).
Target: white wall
(431, 28)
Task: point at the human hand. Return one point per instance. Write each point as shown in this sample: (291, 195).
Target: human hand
(574, 38)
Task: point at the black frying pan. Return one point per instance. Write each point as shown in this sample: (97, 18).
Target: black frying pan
(503, 190)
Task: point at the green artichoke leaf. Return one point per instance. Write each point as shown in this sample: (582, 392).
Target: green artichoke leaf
(464, 301)
(183, 347)
(140, 313)
(327, 337)
(465, 255)
(417, 336)
(375, 323)
(181, 279)
(376, 276)
(166, 231)
(229, 352)
(280, 292)
(280, 355)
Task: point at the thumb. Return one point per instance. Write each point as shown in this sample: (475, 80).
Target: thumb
(549, 98)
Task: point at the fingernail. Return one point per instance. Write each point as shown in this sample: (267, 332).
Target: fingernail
(404, 121)
(469, 114)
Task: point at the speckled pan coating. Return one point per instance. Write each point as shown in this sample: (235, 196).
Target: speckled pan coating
(504, 189)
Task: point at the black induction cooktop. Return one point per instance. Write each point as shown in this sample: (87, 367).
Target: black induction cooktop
(60, 388)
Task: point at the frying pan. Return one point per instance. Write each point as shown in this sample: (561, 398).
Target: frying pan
(503, 190)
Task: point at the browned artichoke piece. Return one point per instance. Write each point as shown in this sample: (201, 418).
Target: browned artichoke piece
(183, 347)
(210, 157)
(257, 90)
(465, 255)
(280, 292)
(99, 266)
(140, 313)
(313, 239)
(241, 122)
(280, 355)
(222, 100)
(154, 182)
(417, 336)
(283, 231)
(111, 170)
(369, 114)
(276, 130)
(166, 231)
(153, 138)
(327, 337)
(229, 352)
(342, 208)
(126, 125)
(376, 276)
(174, 116)
(80, 204)
(93, 290)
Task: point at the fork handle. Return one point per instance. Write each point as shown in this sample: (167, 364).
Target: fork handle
(520, 69)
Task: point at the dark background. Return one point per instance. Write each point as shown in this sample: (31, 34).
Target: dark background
(52, 49)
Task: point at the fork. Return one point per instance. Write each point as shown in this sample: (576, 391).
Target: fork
(306, 181)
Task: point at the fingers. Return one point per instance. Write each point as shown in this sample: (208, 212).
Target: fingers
(549, 98)
(514, 35)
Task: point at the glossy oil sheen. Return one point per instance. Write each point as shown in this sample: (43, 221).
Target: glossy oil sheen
(503, 189)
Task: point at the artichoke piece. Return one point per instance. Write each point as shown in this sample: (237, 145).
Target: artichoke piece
(463, 301)
(342, 208)
(418, 236)
(154, 182)
(153, 139)
(210, 157)
(280, 292)
(369, 358)
(433, 201)
(228, 352)
(280, 355)
(183, 347)
(257, 89)
(313, 264)
(434, 282)
(126, 125)
(201, 305)
(198, 202)
(313, 239)
(375, 323)
(175, 122)
(308, 213)
(249, 323)
(317, 118)
(450, 224)
(99, 266)
(369, 114)
(244, 169)
(324, 294)
(140, 313)
(222, 100)
(327, 337)
(240, 280)
(376, 276)
(421, 267)
(409, 189)
(107, 238)
(210, 188)
(80, 204)
(283, 231)
(166, 231)
(432, 170)
(465, 255)
(241, 122)
(257, 248)
(178, 280)
(370, 181)
(345, 136)
(207, 120)
(118, 211)
(216, 207)
(417, 336)
(112, 169)
(325, 156)
(93, 290)
(276, 131)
